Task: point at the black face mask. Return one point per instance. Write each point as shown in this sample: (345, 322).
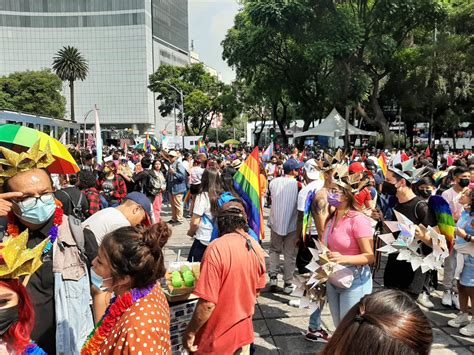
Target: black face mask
(425, 193)
(464, 182)
(8, 317)
(389, 189)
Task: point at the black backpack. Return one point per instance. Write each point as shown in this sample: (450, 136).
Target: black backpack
(76, 208)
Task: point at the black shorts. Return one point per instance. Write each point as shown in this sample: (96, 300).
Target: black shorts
(194, 189)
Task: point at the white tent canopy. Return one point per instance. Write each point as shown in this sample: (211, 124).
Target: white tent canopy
(334, 126)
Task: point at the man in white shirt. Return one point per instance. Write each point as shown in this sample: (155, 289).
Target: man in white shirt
(135, 209)
(461, 180)
(283, 213)
(314, 183)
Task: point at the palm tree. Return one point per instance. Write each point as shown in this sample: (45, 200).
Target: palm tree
(70, 65)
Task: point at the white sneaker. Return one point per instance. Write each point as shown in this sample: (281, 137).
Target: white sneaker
(447, 299)
(295, 303)
(424, 300)
(468, 330)
(461, 320)
(455, 299)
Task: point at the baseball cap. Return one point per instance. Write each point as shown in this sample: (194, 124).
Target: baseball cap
(292, 164)
(311, 169)
(143, 201)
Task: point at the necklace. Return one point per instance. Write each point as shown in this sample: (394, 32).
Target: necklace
(13, 230)
(117, 307)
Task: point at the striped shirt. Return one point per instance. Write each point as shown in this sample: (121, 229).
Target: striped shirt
(283, 213)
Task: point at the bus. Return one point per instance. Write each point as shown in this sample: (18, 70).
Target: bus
(51, 126)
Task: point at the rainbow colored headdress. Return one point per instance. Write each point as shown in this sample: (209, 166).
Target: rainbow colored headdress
(17, 260)
(14, 163)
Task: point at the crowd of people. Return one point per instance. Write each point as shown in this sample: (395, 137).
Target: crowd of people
(102, 239)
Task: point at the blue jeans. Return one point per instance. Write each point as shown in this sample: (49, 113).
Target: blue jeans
(73, 313)
(315, 319)
(341, 300)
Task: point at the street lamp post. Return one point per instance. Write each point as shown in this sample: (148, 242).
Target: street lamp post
(85, 118)
(181, 95)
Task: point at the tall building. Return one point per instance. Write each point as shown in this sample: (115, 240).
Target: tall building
(124, 41)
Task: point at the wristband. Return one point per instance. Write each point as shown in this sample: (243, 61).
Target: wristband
(468, 238)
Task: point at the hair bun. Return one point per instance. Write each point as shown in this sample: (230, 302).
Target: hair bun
(156, 236)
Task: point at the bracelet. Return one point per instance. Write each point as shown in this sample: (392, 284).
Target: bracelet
(468, 238)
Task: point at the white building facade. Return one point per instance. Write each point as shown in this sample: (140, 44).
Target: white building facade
(124, 41)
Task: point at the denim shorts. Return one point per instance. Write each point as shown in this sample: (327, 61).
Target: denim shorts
(467, 274)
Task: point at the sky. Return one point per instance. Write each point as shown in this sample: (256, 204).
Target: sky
(209, 21)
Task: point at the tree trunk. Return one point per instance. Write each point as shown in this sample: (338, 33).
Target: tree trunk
(259, 134)
(71, 91)
(379, 120)
(454, 138)
(204, 133)
(280, 122)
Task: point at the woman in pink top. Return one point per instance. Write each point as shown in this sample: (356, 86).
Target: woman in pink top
(349, 237)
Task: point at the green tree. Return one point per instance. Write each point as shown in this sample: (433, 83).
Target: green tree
(340, 53)
(36, 92)
(70, 65)
(204, 95)
(432, 81)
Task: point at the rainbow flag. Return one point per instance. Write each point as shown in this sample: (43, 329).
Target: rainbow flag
(307, 212)
(147, 144)
(383, 163)
(201, 148)
(247, 184)
(444, 218)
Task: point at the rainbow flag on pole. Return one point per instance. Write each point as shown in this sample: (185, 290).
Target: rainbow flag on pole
(383, 163)
(247, 184)
(201, 148)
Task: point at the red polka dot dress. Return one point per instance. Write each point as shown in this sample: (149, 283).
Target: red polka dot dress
(143, 329)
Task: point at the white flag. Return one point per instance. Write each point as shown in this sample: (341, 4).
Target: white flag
(98, 136)
(62, 139)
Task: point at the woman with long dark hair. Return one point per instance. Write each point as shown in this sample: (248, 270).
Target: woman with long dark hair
(385, 322)
(205, 208)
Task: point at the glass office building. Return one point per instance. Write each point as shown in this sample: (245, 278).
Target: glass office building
(124, 41)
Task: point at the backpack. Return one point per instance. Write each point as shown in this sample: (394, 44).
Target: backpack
(154, 185)
(77, 208)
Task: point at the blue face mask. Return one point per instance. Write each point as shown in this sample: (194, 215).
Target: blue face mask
(98, 281)
(39, 213)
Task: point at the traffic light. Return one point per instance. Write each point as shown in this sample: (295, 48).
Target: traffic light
(272, 134)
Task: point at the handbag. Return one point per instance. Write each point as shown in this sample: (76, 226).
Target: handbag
(341, 276)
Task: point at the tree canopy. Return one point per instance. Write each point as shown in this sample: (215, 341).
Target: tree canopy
(311, 56)
(70, 65)
(36, 92)
(205, 96)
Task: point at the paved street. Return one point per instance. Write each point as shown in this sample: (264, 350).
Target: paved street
(279, 327)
